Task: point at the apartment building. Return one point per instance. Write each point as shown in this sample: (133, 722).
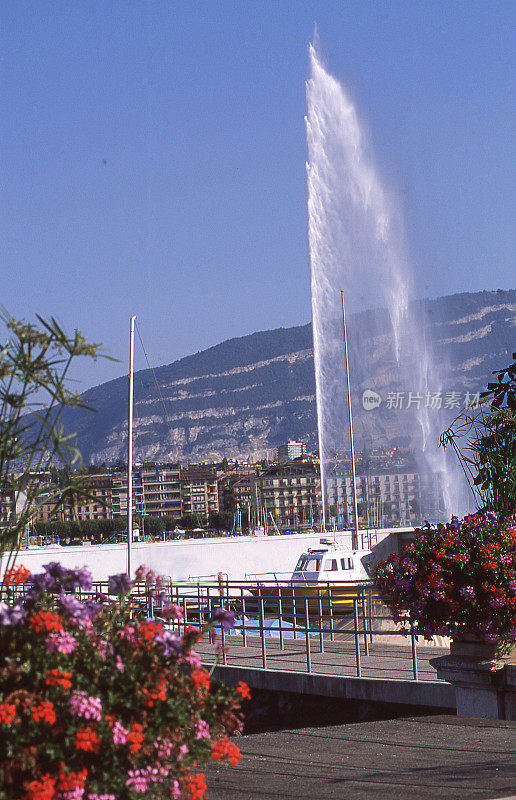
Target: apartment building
(199, 491)
(385, 497)
(290, 494)
(291, 450)
(156, 490)
(96, 506)
(238, 490)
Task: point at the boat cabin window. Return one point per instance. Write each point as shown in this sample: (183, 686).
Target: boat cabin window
(330, 565)
(308, 564)
(346, 563)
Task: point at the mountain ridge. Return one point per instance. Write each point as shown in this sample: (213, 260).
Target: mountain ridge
(248, 394)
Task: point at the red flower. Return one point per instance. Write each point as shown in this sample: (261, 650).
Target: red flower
(43, 788)
(7, 713)
(148, 631)
(196, 786)
(46, 621)
(200, 678)
(491, 565)
(135, 736)
(56, 677)
(70, 782)
(224, 750)
(243, 690)
(158, 693)
(87, 739)
(16, 575)
(44, 712)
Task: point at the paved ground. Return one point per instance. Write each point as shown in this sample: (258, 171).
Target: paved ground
(414, 758)
(384, 660)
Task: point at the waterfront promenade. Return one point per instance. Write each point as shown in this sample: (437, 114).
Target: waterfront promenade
(387, 672)
(423, 758)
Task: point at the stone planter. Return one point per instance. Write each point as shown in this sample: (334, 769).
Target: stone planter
(483, 676)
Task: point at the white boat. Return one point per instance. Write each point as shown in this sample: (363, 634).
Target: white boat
(328, 575)
(332, 562)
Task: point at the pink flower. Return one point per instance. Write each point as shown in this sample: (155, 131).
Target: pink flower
(127, 632)
(176, 791)
(172, 611)
(137, 780)
(119, 734)
(95, 796)
(164, 747)
(141, 573)
(103, 648)
(62, 641)
(183, 751)
(203, 730)
(83, 706)
(119, 664)
(193, 659)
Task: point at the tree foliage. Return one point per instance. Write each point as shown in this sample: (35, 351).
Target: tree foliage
(484, 440)
(35, 362)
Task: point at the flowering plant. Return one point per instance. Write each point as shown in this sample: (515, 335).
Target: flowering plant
(98, 702)
(456, 579)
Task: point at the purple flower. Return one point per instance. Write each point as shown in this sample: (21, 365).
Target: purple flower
(42, 582)
(82, 578)
(11, 615)
(226, 619)
(170, 642)
(73, 607)
(467, 592)
(55, 570)
(119, 584)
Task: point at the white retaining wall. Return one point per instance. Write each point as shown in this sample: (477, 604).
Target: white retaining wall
(238, 557)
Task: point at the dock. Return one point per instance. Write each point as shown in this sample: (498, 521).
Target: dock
(386, 672)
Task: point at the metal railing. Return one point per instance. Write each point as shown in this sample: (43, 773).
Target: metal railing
(334, 616)
(340, 617)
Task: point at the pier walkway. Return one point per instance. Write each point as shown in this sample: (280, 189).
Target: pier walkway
(424, 758)
(386, 671)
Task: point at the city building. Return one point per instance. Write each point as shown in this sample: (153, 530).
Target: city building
(290, 494)
(385, 497)
(291, 450)
(156, 490)
(237, 490)
(199, 491)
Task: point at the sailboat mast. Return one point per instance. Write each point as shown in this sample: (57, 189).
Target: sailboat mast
(130, 448)
(351, 439)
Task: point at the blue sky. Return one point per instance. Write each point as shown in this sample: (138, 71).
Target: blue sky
(153, 157)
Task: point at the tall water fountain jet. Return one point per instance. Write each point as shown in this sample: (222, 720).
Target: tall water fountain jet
(356, 244)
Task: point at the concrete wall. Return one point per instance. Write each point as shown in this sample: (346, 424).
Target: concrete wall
(239, 557)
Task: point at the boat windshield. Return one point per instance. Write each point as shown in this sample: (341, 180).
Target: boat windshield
(308, 564)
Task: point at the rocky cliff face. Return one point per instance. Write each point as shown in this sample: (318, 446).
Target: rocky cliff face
(247, 395)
